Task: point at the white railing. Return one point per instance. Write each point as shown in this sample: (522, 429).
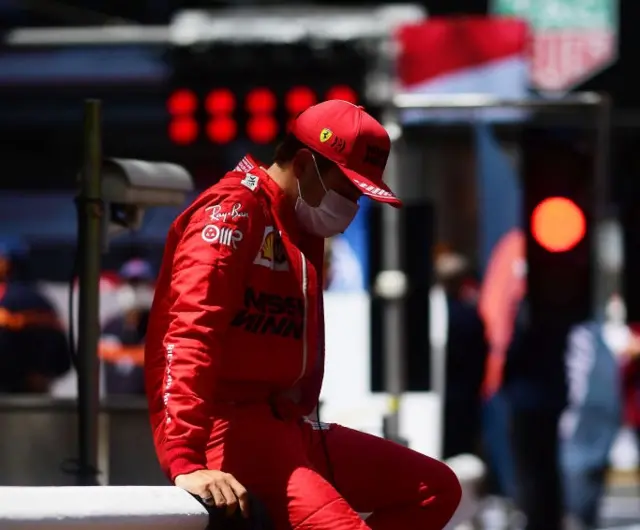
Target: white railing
(153, 507)
(100, 508)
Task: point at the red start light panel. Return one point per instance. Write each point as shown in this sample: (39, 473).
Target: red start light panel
(343, 92)
(298, 99)
(260, 101)
(183, 130)
(222, 130)
(182, 102)
(262, 129)
(220, 101)
(261, 104)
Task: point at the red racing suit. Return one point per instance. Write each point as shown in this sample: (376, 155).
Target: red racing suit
(234, 361)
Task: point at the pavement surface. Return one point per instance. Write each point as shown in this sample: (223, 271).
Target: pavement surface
(620, 509)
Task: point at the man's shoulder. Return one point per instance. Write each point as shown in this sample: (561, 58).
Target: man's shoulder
(236, 184)
(235, 197)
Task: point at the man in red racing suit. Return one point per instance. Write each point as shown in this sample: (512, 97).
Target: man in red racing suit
(235, 344)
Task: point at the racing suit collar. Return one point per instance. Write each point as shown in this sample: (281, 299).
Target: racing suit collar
(280, 203)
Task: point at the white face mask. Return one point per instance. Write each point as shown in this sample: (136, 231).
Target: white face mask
(331, 217)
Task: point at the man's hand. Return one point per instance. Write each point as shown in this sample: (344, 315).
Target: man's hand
(216, 488)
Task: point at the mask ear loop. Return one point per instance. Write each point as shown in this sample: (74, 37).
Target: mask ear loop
(315, 164)
(299, 190)
(319, 178)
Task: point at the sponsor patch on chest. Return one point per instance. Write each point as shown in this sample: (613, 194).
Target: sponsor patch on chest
(272, 254)
(267, 313)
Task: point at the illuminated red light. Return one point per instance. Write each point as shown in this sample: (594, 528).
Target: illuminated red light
(262, 129)
(220, 101)
(182, 102)
(342, 92)
(260, 101)
(298, 99)
(222, 130)
(261, 104)
(558, 224)
(183, 130)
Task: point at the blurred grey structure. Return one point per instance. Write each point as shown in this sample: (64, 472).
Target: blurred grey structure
(39, 445)
(259, 24)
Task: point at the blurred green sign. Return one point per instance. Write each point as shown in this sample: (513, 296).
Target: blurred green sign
(573, 40)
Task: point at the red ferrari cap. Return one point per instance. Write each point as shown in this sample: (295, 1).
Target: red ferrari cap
(345, 134)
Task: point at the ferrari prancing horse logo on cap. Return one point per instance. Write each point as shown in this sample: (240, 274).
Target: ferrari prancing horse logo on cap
(325, 134)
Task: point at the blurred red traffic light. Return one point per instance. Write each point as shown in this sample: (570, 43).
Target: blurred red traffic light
(343, 92)
(262, 129)
(260, 101)
(261, 104)
(298, 99)
(182, 102)
(220, 101)
(222, 130)
(183, 130)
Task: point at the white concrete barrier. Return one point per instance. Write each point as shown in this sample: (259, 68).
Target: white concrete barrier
(471, 472)
(153, 507)
(100, 508)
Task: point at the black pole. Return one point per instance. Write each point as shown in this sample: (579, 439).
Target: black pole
(89, 253)
(394, 306)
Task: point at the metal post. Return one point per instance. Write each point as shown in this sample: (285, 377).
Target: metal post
(89, 249)
(393, 312)
(601, 197)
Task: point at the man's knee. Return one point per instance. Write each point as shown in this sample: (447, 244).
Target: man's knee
(440, 488)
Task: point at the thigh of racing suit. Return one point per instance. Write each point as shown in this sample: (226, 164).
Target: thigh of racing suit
(403, 489)
(270, 458)
(284, 465)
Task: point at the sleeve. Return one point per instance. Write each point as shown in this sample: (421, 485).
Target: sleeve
(210, 267)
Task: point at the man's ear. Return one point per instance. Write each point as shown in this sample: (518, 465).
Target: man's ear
(301, 161)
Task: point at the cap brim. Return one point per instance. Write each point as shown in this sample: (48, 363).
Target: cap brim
(379, 192)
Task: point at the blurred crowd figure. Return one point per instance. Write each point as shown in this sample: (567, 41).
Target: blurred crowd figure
(466, 354)
(127, 302)
(33, 343)
(524, 390)
(121, 346)
(592, 418)
(542, 406)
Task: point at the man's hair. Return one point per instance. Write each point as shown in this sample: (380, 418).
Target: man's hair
(287, 149)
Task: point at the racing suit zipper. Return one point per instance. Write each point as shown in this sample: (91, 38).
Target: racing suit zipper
(305, 286)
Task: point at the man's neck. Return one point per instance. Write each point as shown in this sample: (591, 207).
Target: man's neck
(284, 178)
